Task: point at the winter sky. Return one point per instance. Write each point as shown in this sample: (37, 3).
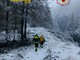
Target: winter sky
(73, 6)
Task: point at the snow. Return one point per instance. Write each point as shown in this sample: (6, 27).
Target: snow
(54, 49)
(69, 15)
(77, 32)
(10, 36)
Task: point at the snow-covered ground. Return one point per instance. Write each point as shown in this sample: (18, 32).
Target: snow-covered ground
(54, 49)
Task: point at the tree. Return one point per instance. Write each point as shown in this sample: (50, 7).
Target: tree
(7, 16)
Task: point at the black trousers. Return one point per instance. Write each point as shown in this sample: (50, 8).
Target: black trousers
(41, 42)
(36, 45)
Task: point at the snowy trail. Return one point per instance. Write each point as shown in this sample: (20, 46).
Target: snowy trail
(35, 55)
(54, 49)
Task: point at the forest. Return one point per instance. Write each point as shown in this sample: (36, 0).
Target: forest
(21, 22)
(14, 18)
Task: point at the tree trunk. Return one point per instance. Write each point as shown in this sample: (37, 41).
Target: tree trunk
(15, 27)
(22, 22)
(26, 22)
(25, 29)
(7, 15)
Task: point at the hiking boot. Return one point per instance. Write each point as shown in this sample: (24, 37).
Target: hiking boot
(36, 50)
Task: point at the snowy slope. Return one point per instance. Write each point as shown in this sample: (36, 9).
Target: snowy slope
(65, 19)
(54, 49)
